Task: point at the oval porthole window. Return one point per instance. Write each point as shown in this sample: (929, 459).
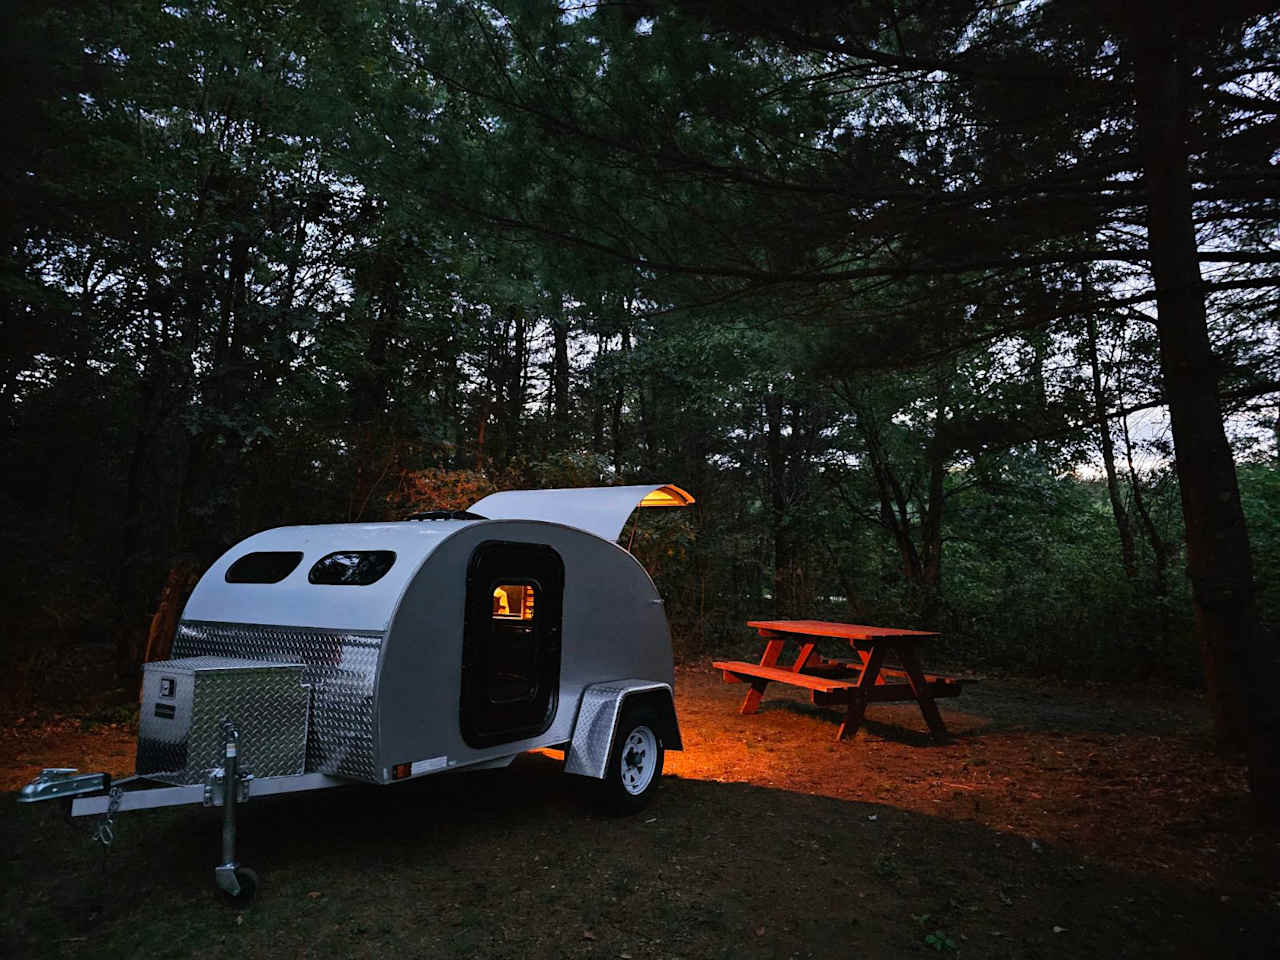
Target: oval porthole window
(352, 567)
(263, 566)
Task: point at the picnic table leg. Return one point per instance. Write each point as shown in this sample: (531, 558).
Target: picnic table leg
(772, 651)
(858, 703)
(864, 656)
(920, 689)
(752, 702)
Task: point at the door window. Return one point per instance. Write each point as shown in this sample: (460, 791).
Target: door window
(513, 601)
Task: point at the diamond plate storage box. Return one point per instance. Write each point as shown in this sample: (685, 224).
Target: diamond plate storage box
(184, 702)
(341, 666)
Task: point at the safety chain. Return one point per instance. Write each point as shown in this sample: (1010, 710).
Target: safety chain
(105, 834)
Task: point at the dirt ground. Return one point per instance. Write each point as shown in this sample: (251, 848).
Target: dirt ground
(1055, 823)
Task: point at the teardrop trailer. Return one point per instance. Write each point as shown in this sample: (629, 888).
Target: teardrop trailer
(311, 657)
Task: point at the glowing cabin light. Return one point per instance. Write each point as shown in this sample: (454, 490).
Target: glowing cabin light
(513, 601)
(667, 496)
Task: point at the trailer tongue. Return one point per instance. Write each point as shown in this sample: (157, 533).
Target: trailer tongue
(95, 794)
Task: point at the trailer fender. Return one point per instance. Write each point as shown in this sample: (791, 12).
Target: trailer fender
(597, 722)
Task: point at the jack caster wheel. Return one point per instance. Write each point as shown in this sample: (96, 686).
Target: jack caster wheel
(248, 881)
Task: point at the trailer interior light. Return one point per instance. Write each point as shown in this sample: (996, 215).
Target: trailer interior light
(668, 496)
(513, 601)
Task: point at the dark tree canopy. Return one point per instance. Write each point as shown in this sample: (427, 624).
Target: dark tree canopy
(954, 314)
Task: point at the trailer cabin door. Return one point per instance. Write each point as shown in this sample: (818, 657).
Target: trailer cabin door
(511, 642)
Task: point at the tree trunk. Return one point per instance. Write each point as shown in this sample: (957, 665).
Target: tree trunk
(931, 523)
(617, 402)
(775, 463)
(1237, 668)
(596, 388)
(560, 364)
(228, 370)
(1039, 341)
(519, 377)
(895, 514)
(1128, 553)
(182, 578)
(1159, 546)
(515, 361)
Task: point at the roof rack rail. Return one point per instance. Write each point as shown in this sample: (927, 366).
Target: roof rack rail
(445, 515)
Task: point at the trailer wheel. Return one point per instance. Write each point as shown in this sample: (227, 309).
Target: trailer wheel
(248, 881)
(635, 763)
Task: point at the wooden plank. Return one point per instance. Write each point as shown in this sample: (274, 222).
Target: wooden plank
(871, 668)
(924, 696)
(844, 631)
(806, 652)
(866, 682)
(891, 692)
(893, 673)
(738, 671)
(780, 675)
(772, 650)
(853, 719)
(836, 673)
(751, 702)
(880, 693)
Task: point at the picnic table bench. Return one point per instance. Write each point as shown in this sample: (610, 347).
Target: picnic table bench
(839, 680)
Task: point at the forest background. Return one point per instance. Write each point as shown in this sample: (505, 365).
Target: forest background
(874, 282)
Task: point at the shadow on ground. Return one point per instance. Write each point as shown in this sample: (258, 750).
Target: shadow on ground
(1005, 706)
(518, 863)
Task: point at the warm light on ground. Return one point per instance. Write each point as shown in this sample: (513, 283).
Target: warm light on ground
(1104, 779)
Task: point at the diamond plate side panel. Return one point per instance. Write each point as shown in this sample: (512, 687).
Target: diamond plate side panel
(267, 702)
(340, 666)
(269, 709)
(588, 753)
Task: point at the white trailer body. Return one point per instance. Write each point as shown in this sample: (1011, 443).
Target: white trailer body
(382, 652)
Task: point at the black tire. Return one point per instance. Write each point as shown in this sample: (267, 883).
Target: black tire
(248, 880)
(635, 762)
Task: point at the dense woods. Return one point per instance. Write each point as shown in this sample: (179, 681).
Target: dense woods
(958, 315)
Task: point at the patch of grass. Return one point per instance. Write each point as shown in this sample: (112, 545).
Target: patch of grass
(886, 867)
(123, 715)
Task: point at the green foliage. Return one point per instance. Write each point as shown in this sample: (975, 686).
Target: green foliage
(936, 939)
(939, 941)
(278, 265)
(1260, 493)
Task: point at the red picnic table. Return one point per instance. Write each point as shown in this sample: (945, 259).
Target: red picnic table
(834, 680)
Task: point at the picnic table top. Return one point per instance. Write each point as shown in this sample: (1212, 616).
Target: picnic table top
(844, 631)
